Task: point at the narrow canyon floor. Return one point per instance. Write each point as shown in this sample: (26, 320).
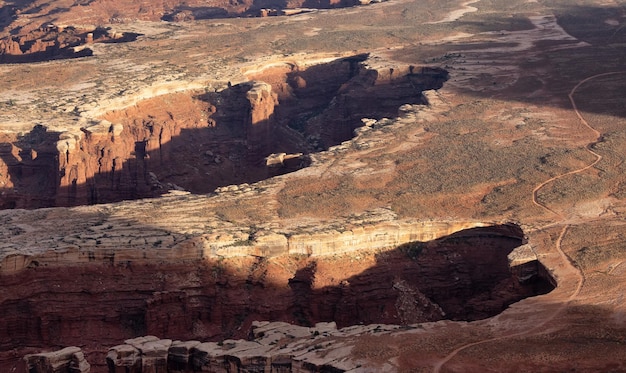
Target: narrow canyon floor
(443, 180)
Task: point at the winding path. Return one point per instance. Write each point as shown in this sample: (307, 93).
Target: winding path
(596, 133)
(577, 272)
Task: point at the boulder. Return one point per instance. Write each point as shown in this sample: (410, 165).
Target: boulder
(67, 360)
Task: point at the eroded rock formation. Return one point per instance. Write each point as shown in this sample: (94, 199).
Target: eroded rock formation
(143, 155)
(67, 360)
(326, 102)
(273, 347)
(198, 141)
(29, 16)
(51, 42)
(464, 276)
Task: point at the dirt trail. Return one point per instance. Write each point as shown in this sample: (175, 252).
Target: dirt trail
(574, 271)
(588, 147)
(458, 13)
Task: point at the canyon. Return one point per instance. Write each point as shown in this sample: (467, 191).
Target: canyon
(35, 42)
(222, 138)
(433, 186)
(465, 275)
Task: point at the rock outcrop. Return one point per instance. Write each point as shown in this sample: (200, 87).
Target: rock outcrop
(29, 16)
(273, 347)
(51, 42)
(261, 127)
(326, 102)
(178, 141)
(67, 360)
(143, 354)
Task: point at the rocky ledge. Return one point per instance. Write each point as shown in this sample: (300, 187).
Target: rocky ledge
(274, 347)
(67, 360)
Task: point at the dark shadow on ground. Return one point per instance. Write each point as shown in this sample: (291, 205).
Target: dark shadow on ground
(187, 13)
(409, 284)
(9, 10)
(48, 55)
(550, 67)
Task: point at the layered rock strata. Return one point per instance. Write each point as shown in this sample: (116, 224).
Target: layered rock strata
(228, 241)
(138, 156)
(198, 141)
(303, 279)
(326, 102)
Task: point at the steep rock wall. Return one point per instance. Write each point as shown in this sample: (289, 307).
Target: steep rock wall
(175, 141)
(326, 102)
(122, 296)
(28, 166)
(109, 248)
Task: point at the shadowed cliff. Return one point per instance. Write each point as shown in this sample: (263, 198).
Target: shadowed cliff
(464, 276)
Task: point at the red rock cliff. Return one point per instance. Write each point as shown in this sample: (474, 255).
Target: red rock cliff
(119, 295)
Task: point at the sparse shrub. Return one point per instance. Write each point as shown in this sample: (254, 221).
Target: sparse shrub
(412, 249)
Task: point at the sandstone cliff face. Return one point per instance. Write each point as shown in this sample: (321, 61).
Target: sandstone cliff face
(178, 141)
(112, 160)
(29, 177)
(326, 102)
(123, 294)
(260, 128)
